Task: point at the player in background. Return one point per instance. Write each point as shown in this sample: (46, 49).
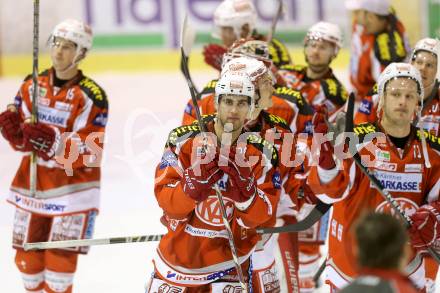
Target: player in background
(320, 87)
(384, 271)
(195, 253)
(316, 80)
(378, 39)
(406, 166)
(234, 20)
(424, 57)
(72, 114)
(287, 103)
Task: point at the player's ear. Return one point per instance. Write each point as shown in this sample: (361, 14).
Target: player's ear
(81, 55)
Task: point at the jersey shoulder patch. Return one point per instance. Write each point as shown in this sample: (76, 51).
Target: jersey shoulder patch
(274, 120)
(431, 139)
(182, 133)
(205, 118)
(278, 53)
(363, 129)
(294, 97)
(334, 91)
(290, 67)
(209, 87)
(94, 92)
(267, 149)
(389, 47)
(374, 90)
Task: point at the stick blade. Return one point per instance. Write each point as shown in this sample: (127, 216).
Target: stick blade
(187, 37)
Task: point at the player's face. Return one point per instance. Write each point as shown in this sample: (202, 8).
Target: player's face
(62, 53)
(233, 109)
(227, 35)
(401, 101)
(373, 23)
(319, 54)
(426, 63)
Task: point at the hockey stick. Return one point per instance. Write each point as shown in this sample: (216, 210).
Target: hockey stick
(275, 19)
(377, 184)
(34, 114)
(90, 242)
(184, 58)
(318, 211)
(319, 273)
(185, 48)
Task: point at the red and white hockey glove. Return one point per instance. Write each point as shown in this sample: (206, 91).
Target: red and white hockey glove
(10, 127)
(197, 184)
(320, 126)
(425, 229)
(242, 179)
(213, 54)
(41, 138)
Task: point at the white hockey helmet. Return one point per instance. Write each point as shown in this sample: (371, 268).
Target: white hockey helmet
(252, 67)
(252, 48)
(427, 44)
(235, 83)
(325, 31)
(75, 31)
(396, 70)
(235, 14)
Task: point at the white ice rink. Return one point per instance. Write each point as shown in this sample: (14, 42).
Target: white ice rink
(143, 109)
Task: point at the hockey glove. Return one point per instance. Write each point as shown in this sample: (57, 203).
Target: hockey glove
(326, 160)
(41, 138)
(197, 185)
(425, 229)
(241, 178)
(213, 54)
(10, 127)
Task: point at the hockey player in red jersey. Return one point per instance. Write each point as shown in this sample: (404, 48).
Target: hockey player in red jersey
(400, 158)
(72, 114)
(195, 253)
(287, 103)
(320, 87)
(234, 20)
(316, 81)
(378, 39)
(425, 58)
(275, 130)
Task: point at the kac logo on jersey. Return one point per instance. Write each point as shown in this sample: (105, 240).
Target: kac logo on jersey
(399, 182)
(406, 205)
(208, 211)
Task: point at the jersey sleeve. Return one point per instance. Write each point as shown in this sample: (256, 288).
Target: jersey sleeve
(335, 92)
(168, 189)
(279, 54)
(389, 47)
(84, 143)
(268, 178)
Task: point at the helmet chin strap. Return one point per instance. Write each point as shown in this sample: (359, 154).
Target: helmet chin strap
(75, 62)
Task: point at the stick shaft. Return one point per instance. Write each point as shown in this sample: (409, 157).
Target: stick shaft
(34, 114)
(91, 242)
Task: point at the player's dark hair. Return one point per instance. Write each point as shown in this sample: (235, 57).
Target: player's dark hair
(381, 239)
